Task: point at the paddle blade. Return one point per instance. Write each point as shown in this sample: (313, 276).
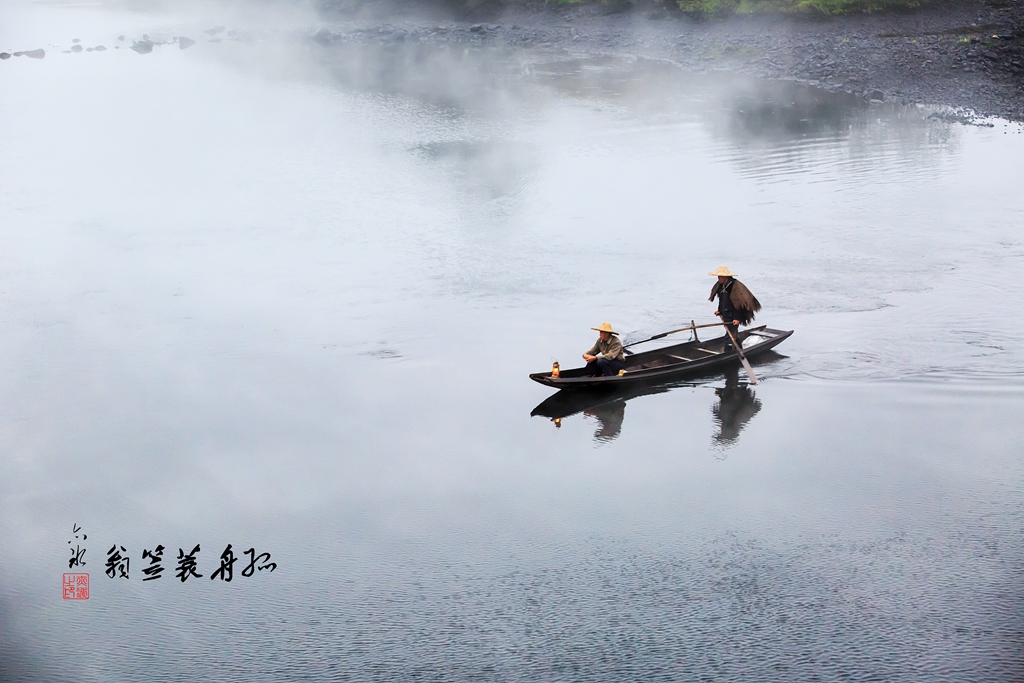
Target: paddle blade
(743, 359)
(750, 370)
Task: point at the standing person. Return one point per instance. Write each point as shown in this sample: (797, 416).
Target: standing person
(605, 357)
(736, 305)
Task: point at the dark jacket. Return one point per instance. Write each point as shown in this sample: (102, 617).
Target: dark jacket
(735, 302)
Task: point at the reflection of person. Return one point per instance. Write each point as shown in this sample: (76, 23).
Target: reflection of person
(609, 417)
(605, 357)
(736, 305)
(736, 406)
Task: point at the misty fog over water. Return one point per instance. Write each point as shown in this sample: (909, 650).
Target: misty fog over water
(285, 296)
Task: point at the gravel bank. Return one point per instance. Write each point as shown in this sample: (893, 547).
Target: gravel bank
(967, 56)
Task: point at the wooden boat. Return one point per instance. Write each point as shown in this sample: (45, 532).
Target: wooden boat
(671, 362)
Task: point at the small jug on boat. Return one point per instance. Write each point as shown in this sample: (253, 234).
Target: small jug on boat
(554, 369)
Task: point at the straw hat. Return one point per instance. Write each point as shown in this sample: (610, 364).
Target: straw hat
(723, 271)
(605, 327)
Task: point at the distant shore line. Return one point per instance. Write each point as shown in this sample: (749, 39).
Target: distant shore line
(966, 55)
(721, 8)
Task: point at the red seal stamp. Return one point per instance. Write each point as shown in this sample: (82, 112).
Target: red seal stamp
(76, 586)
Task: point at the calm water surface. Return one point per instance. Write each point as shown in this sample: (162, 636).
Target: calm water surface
(264, 293)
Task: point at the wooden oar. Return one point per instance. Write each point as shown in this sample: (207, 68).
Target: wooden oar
(743, 359)
(691, 326)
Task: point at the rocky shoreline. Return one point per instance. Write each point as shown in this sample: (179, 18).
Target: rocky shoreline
(968, 57)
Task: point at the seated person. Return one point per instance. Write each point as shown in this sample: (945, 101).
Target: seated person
(606, 356)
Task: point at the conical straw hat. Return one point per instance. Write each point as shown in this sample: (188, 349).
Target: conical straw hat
(724, 272)
(605, 327)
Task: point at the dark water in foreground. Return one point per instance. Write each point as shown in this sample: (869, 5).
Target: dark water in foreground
(265, 295)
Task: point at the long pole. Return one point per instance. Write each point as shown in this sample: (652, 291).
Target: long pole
(689, 327)
(743, 358)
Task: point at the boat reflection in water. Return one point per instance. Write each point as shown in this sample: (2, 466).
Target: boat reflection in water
(737, 404)
(607, 405)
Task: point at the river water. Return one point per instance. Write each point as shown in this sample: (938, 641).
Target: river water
(264, 293)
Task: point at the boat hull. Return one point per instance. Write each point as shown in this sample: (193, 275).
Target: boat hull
(670, 362)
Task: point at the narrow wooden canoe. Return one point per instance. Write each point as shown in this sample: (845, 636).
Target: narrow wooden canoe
(670, 362)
